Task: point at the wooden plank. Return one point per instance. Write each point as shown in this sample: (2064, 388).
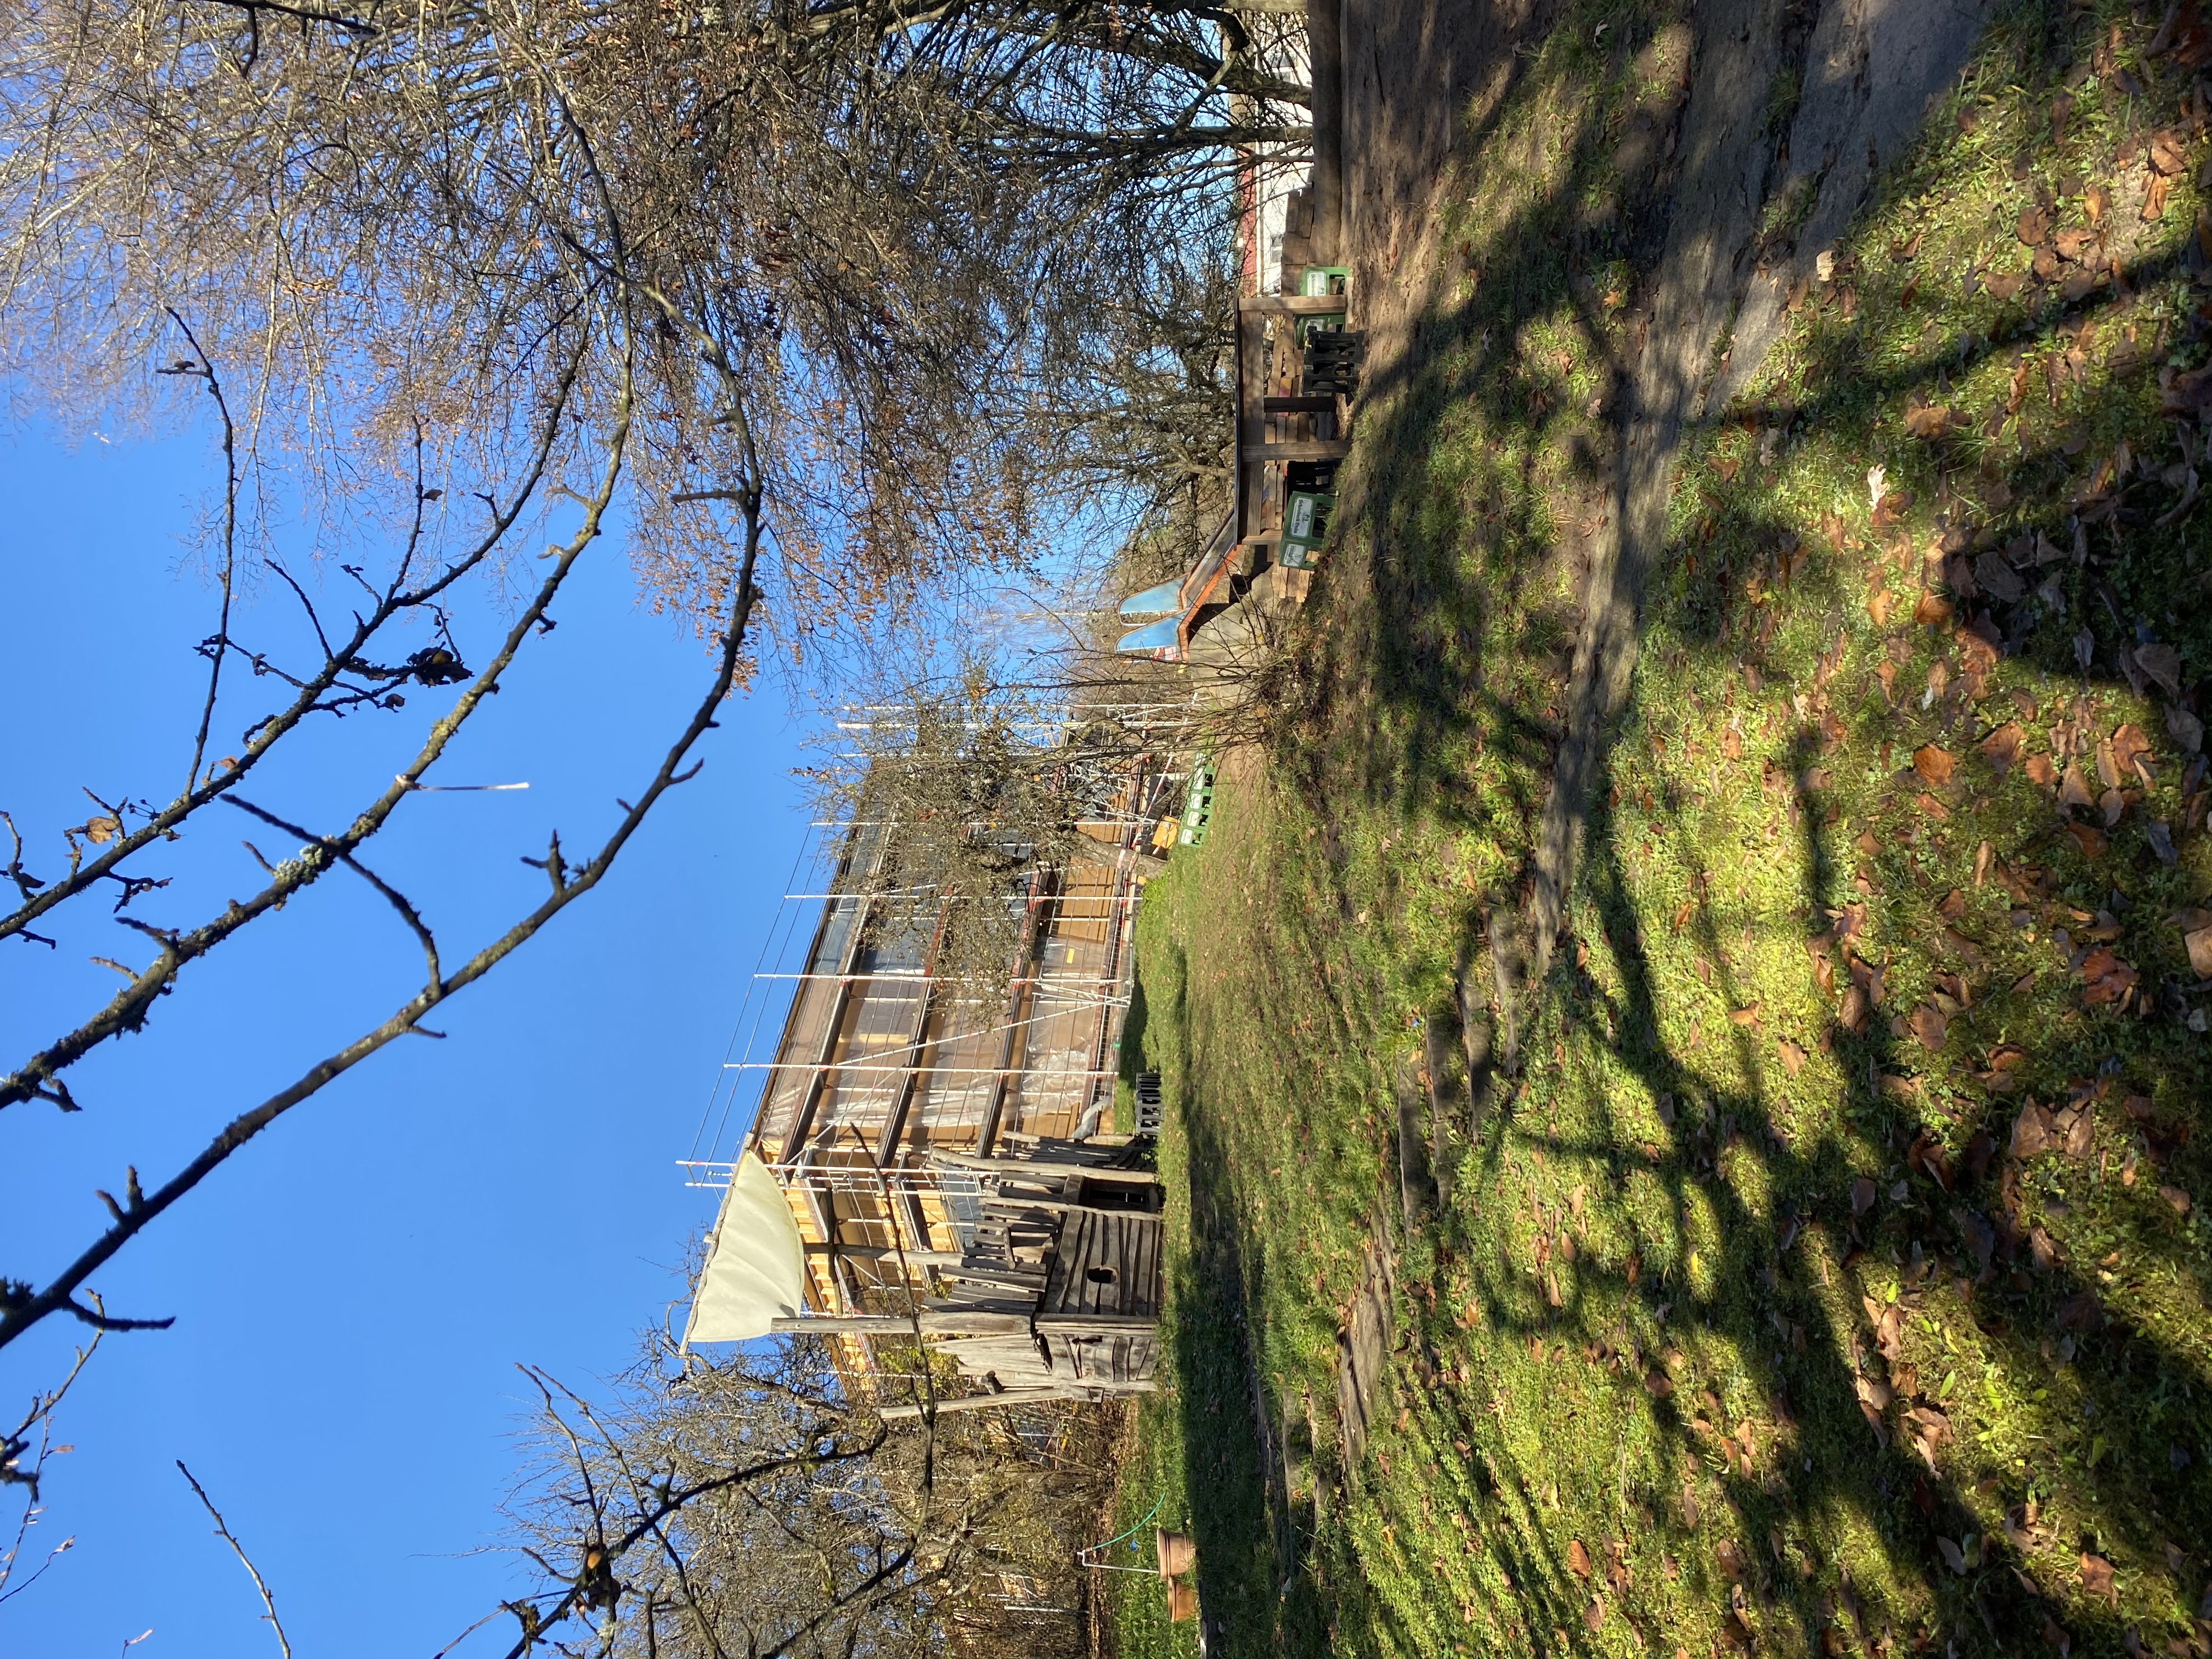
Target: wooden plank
(1093, 1324)
(996, 1278)
(1291, 305)
(885, 1252)
(1302, 404)
(976, 1402)
(1023, 1169)
(1298, 449)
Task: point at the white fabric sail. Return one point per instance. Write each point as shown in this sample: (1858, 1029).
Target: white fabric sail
(756, 1269)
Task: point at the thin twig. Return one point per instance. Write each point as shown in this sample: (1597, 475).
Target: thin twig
(205, 371)
(254, 1572)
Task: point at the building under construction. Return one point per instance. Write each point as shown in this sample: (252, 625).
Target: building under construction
(950, 1157)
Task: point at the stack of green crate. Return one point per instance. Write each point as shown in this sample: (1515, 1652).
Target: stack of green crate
(1198, 804)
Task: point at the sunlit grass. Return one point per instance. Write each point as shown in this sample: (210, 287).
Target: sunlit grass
(1626, 1413)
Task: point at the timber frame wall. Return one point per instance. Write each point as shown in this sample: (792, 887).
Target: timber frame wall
(882, 1078)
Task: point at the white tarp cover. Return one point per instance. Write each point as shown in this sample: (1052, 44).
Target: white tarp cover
(756, 1267)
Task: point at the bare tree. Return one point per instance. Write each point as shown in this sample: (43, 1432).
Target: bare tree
(931, 246)
(759, 1506)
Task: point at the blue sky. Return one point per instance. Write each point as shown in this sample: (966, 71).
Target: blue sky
(353, 1292)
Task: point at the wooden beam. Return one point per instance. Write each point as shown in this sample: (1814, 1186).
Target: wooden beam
(1305, 449)
(935, 1322)
(1316, 404)
(1030, 957)
(885, 1252)
(1076, 1324)
(1291, 305)
(976, 1402)
(1040, 1167)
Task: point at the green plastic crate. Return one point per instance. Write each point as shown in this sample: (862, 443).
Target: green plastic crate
(1306, 526)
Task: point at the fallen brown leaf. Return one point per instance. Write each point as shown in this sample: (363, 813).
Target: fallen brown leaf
(2197, 936)
(1578, 1561)
(2091, 840)
(1792, 1056)
(2130, 747)
(2042, 771)
(1933, 610)
(2108, 977)
(2032, 1132)
(2097, 1578)
(2108, 763)
(1927, 421)
(2080, 1312)
(1744, 1016)
(2074, 789)
(2163, 664)
(1934, 764)
(2002, 749)
(2177, 1198)
(1863, 1195)
(1889, 1333)
(1929, 1026)
(2155, 195)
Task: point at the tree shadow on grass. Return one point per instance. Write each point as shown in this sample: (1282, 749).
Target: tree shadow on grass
(1422, 652)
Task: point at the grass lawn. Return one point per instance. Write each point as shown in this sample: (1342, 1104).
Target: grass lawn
(1831, 1276)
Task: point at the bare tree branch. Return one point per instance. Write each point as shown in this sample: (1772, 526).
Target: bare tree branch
(222, 1530)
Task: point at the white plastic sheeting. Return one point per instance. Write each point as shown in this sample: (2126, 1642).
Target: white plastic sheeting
(756, 1269)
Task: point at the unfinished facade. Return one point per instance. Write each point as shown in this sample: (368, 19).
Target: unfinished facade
(953, 1154)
